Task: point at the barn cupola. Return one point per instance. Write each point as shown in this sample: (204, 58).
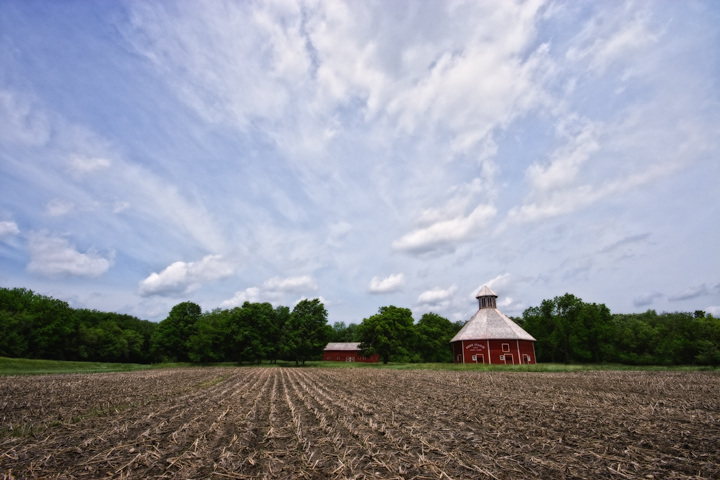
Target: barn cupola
(486, 298)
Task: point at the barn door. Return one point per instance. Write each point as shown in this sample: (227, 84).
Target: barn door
(508, 359)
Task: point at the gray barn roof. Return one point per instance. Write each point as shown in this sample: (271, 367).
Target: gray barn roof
(491, 324)
(342, 346)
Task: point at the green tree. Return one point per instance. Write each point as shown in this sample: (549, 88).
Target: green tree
(306, 331)
(275, 348)
(15, 330)
(432, 338)
(250, 331)
(387, 333)
(569, 330)
(171, 337)
(708, 329)
(209, 342)
(344, 333)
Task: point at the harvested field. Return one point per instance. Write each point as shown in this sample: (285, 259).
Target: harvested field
(360, 423)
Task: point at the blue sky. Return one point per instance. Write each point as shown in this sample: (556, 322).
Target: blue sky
(367, 153)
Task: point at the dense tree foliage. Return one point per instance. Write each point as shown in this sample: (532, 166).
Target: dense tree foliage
(389, 332)
(344, 333)
(572, 331)
(170, 340)
(306, 331)
(275, 347)
(432, 338)
(566, 328)
(36, 326)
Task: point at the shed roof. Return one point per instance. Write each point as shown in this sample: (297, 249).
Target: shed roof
(491, 324)
(342, 346)
(485, 292)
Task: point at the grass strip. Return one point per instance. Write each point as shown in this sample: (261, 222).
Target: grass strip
(24, 366)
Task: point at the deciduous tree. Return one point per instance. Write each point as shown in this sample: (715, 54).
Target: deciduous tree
(432, 338)
(171, 337)
(306, 331)
(388, 333)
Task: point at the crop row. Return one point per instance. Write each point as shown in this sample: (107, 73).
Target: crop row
(359, 423)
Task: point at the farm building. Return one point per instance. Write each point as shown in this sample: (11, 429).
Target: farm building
(347, 352)
(491, 337)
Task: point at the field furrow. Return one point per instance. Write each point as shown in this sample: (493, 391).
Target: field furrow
(287, 423)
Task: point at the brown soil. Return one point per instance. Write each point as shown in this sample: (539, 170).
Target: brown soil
(357, 423)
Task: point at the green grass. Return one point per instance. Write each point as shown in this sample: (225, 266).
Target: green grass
(540, 367)
(24, 366)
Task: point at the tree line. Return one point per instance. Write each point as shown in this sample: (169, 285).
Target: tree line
(36, 326)
(566, 328)
(571, 331)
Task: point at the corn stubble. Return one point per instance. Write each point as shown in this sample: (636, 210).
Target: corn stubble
(360, 424)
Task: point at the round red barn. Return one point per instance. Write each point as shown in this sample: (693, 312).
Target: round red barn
(491, 337)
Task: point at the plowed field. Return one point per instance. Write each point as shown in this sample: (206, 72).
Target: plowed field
(360, 423)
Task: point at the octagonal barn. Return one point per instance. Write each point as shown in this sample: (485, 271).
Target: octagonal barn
(491, 337)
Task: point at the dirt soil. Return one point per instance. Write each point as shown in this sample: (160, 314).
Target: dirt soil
(360, 424)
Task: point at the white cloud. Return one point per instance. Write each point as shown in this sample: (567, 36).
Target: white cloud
(437, 297)
(251, 295)
(713, 310)
(58, 207)
(444, 235)
(393, 283)
(79, 165)
(120, 206)
(690, 293)
(8, 228)
(628, 240)
(505, 284)
(290, 284)
(647, 299)
(56, 256)
(605, 43)
(566, 201)
(20, 121)
(291, 67)
(272, 290)
(182, 277)
(565, 162)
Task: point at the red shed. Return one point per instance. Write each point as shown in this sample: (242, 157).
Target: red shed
(491, 337)
(347, 352)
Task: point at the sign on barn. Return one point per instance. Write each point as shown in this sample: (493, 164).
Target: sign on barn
(347, 352)
(491, 337)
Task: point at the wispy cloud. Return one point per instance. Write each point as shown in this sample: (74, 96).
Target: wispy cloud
(182, 277)
(58, 207)
(648, 298)
(52, 256)
(436, 297)
(20, 121)
(309, 146)
(445, 235)
(690, 293)
(79, 165)
(272, 290)
(625, 241)
(8, 228)
(393, 283)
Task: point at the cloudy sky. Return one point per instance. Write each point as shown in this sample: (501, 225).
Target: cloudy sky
(367, 153)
